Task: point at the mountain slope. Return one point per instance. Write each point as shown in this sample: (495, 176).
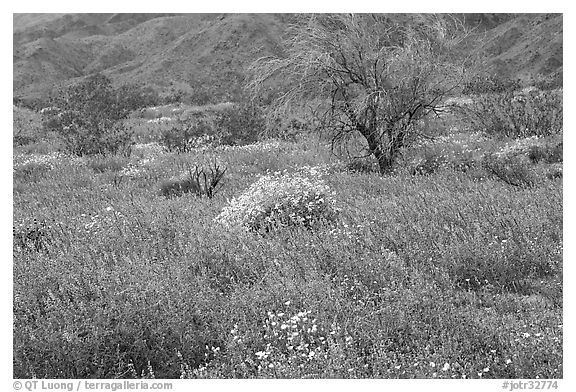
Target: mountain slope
(212, 51)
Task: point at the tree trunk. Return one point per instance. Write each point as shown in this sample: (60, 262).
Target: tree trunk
(385, 163)
(384, 156)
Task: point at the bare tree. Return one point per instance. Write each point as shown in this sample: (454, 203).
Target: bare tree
(369, 75)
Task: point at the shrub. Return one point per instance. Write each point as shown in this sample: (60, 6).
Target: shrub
(360, 165)
(429, 164)
(34, 167)
(280, 200)
(102, 163)
(184, 135)
(240, 124)
(512, 169)
(178, 186)
(555, 154)
(516, 114)
(554, 172)
(535, 149)
(201, 181)
(26, 126)
(88, 116)
(489, 84)
(31, 236)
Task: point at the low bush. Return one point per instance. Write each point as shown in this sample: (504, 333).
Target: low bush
(89, 116)
(184, 135)
(281, 200)
(240, 124)
(31, 236)
(360, 165)
(200, 180)
(489, 84)
(103, 163)
(513, 170)
(554, 172)
(515, 114)
(428, 164)
(26, 126)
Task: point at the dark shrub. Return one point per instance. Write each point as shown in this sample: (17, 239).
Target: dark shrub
(175, 187)
(103, 163)
(88, 115)
(536, 153)
(512, 169)
(554, 172)
(515, 114)
(555, 154)
(32, 236)
(183, 135)
(240, 124)
(360, 165)
(26, 126)
(429, 164)
(487, 84)
(200, 180)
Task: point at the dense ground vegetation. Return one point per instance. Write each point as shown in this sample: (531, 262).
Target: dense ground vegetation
(303, 264)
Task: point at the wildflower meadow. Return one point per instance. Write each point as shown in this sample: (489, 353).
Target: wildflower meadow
(298, 267)
(359, 208)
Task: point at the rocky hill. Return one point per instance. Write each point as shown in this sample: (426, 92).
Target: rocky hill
(211, 51)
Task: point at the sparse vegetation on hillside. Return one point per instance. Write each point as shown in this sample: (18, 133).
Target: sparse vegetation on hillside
(193, 51)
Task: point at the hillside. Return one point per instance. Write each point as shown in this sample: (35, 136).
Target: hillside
(211, 51)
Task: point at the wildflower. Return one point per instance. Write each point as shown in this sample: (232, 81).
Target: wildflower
(432, 364)
(279, 199)
(446, 367)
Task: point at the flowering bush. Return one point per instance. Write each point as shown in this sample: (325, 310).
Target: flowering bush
(298, 199)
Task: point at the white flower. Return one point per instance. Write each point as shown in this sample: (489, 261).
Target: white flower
(446, 367)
